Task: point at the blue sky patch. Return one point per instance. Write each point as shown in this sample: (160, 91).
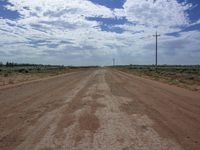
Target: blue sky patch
(108, 24)
(110, 3)
(192, 28)
(7, 14)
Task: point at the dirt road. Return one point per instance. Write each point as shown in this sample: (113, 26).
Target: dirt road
(99, 110)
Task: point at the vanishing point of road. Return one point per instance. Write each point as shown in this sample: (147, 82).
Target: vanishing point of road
(99, 109)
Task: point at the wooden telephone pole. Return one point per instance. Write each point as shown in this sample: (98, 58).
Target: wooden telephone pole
(156, 58)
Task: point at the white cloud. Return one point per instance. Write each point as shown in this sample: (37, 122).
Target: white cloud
(59, 8)
(59, 29)
(162, 15)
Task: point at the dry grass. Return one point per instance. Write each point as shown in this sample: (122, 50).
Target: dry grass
(181, 78)
(9, 78)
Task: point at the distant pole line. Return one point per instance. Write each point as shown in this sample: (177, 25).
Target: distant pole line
(113, 62)
(156, 57)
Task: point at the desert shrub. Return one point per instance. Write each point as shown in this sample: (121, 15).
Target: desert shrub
(23, 70)
(191, 78)
(6, 74)
(151, 69)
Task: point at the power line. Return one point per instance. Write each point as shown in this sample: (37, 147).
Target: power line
(156, 57)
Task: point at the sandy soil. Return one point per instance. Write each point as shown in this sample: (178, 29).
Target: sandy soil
(17, 78)
(99, 110)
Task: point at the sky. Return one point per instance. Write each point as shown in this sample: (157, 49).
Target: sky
(93, 32)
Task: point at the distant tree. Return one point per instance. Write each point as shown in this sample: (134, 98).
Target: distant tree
(10, 64)
(7, 64)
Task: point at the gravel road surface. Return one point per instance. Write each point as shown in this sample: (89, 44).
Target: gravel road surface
(99, 109)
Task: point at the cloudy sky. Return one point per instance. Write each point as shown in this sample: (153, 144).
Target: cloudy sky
(92, 32)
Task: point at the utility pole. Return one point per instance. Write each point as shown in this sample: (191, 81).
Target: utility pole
(156, 60)
(113, 62)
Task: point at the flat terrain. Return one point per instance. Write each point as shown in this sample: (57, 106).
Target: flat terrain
(11, 77)
(182, 76)
(99, 109)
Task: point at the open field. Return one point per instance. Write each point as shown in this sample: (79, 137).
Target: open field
(182, 76)
(99, 109)
(19, 74)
